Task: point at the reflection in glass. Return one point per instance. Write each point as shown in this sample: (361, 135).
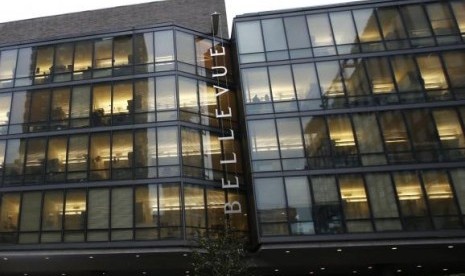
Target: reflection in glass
(9, 212)
(262, 139)
(441, 19)
(80, 106)
(321, 34)
(367, 25)
(432, 73)
(327, 212)
(146, 205)
(255, 84)
(82, 59)
(77, 157)
(290, 138)
(299, 205)
(5, 102)
(395, 135)
(99, 211)
(282, 86)
(450, 132)
(383, 202)
(271, 205)
(458, 7)
(330, 79)
(379, 75)
(354, 198)
(297, 36)
(30, 211)
(194, 205)
(56, 158)
(143, 48)
(405, 73)
(122, 50)
(103, 53)
(411, 201)
(7, 67)
(369, 139)
(455, 65)
(344, 31)
(249, 34)
(100, 156)
(392, 27)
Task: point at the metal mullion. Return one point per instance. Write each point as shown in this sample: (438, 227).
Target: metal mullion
(340, 204)
(370, 206)
(454, 18)
(286, 202)
(380, 131)
(354, 134)
(419, 175)
(396, 198)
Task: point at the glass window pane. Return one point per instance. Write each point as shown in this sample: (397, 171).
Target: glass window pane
(101, 105)
(207, 98)
(431, 71)
(56, 158)
(273, 33)
(100, 156)
(458, 7)
(262, 139)
(355, 79)
(185, 47)
(146, 206)
(440, 196)
(409, 192)
(30, 211)
(44, 60)
(122, 50)
(80, 106)
(354, 198)
(330, 79)
(379, 75)
(99, 209)
(194, 204)
(212, 155)
(299, 205)
(122, 151)
(306, 82)
(9, 212)
(59, 111)
(35, 159)
(441, 19)
(75, 210)
(382, 197)
(455, 66)
(342, 136)
(122, 98)
(21, 107)
(249, 37)
(167, 146)
(255, 85)
(394, 132)
(145, 148)
(423, 131)
(415, 21)
(77, 153)
(164, 46)
(215, 208)
(367, 25)
(7, 66)
(369, 139)
(14, 158)
(188, 98)
(83, 56)
(406, 73)
(24, 67)
(63, 58)
(290, 137)
(391, 23)
(191, 148)
(170, 214)
(320, 30)
(296, 32)
(143, 48)
(5, 103)
(121, 207)
(40, 108)
(326, 209)
(166, 93)
(458, 178)
(52, 211)
(450, 131)
(282, 86)
(144, 96)
(270, 199)
(316, 137)
(202, 49)
(103, 53)
(343, 27)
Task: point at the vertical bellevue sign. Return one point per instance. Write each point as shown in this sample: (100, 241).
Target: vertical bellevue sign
(219, 72)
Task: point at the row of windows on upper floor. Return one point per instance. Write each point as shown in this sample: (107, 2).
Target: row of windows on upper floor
(118, 103)
(358, 139)
(118, 155)
(112, 56)
(354, 82)
(346, 32)
(142, 212)
(355, 203)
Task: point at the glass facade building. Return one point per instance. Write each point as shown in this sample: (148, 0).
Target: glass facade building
(354, 118)
(348, 124)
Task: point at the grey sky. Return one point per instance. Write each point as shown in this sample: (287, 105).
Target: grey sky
(23, 9)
